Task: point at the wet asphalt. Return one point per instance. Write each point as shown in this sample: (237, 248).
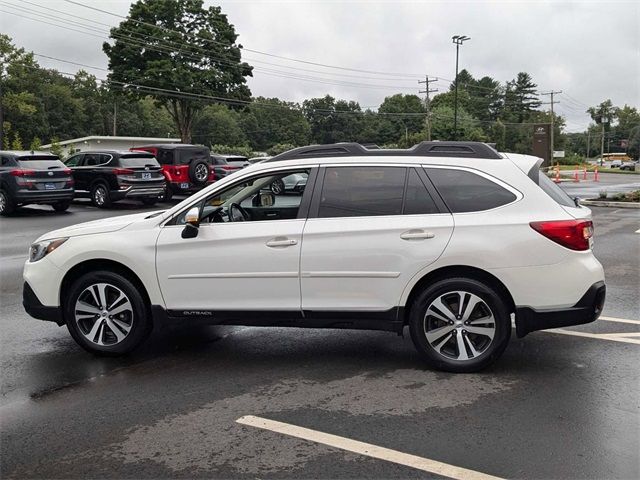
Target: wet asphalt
(554, 406)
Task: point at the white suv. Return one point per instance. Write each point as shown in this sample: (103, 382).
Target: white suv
(447, 238)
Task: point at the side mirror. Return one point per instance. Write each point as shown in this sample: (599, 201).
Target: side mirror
(265, 199)
(191, 223)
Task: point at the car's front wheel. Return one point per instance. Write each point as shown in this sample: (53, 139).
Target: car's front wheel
(106, 314)
(459, 325)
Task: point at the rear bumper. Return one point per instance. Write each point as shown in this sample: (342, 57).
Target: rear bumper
(587, 310)
(177, 187)
(34, 307)
(44, 196)
(139, 191)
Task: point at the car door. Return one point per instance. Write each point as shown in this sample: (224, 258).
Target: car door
(75, 164)
(370, 230)
(238, 266)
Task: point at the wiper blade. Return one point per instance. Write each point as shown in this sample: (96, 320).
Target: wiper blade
(155, 214)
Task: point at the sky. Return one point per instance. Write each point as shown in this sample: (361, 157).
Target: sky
(589, 50)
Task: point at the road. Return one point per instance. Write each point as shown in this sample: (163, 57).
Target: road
(557, 405)
(611, 183)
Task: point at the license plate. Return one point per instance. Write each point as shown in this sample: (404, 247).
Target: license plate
(49, 186)
(146, 176)
(184, 185)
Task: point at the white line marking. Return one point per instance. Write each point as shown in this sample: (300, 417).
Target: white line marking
(638, 231)
(620, 320)
(597, 336)
(374, 451)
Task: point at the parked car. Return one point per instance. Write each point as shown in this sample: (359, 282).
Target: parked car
(631, 166)
(237, 160)
(448, 239)
(222, 167)
(107, 176)
(615, 164)
(33, 177)
(186, 168)
(294, 183)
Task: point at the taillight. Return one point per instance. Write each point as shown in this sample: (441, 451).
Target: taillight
(572, 234)
(22, 173)
(122, 171)
(228, 167)
(67, 171)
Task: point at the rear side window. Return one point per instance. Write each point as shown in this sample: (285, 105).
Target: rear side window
(187, 155)
(465, 191)
(550, 188)
(165, 157)
(362, 191)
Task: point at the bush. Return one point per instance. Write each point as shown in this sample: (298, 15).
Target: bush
(229, 150)
(570, 160)
(280, 147)
(628, 196)
(602, 194)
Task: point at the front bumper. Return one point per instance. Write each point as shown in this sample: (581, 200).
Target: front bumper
(36, 309)
(587, 310)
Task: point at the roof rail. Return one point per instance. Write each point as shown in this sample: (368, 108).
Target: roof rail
(422, 149)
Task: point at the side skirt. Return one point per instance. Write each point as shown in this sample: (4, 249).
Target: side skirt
(390, 320)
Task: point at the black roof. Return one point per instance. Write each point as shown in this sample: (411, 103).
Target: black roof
(116, 153)
(422, 149)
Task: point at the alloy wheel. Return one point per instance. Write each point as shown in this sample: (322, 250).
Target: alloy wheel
(202, 172)
(104, 314)
(100, 195)
(3, 202)
(459, 325)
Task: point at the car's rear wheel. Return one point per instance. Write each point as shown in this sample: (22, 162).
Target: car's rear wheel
(61, 206)
(100, 196)
(459, 325)
(106, 314)
(7, 204)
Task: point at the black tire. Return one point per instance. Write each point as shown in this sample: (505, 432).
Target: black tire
(7, 204)
(61, 206)
(141, 322)
(167, 195)
(149, 202)
(199, 172)
(277, 187)
(487, 353)
(100, 196)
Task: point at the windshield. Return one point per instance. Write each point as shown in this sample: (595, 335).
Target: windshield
(40, 163)
(138, 161)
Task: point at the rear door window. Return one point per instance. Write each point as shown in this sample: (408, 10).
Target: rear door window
(464, 191)
(362, 191)
(417, 199)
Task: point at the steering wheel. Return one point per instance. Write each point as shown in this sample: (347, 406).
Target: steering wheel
(237, 213)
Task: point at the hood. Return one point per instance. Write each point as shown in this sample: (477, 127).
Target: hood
(104, 225)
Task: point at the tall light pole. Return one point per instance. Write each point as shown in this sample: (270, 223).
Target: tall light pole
(458, 40)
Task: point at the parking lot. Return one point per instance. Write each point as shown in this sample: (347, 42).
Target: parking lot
(288, 403)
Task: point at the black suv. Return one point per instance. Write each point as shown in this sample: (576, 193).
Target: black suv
(186, 168)
(33, 177)
(107, 176)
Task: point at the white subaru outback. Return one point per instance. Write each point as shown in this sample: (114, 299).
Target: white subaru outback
(448, 238)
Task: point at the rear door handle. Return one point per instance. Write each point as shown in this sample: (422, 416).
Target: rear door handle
(416, 235)
(281, 242)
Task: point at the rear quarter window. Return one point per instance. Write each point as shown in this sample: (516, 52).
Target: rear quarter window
(465, 191)
(550, 188)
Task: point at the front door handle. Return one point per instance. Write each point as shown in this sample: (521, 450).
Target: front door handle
(416, 235)
(281, 242)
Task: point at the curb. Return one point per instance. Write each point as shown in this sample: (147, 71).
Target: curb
(596, 203)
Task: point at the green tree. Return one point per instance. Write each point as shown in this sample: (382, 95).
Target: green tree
(16, 143)
(36, 144)
(396, 125)
(333, 120)
(187, 48)
(218, 124)
(271, 121)
(520, 99)
(56, 148)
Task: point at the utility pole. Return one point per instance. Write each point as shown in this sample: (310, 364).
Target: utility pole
(1, 117)
(551, 93)
(427, 90)
(602, 141)
(588, 142)
(115, 112)
(458, 40)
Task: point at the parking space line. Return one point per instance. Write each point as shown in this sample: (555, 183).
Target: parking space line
(598, 336)
(362, 448)
(620, 320)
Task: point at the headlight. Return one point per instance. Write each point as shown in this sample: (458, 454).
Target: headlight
(39, 250)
